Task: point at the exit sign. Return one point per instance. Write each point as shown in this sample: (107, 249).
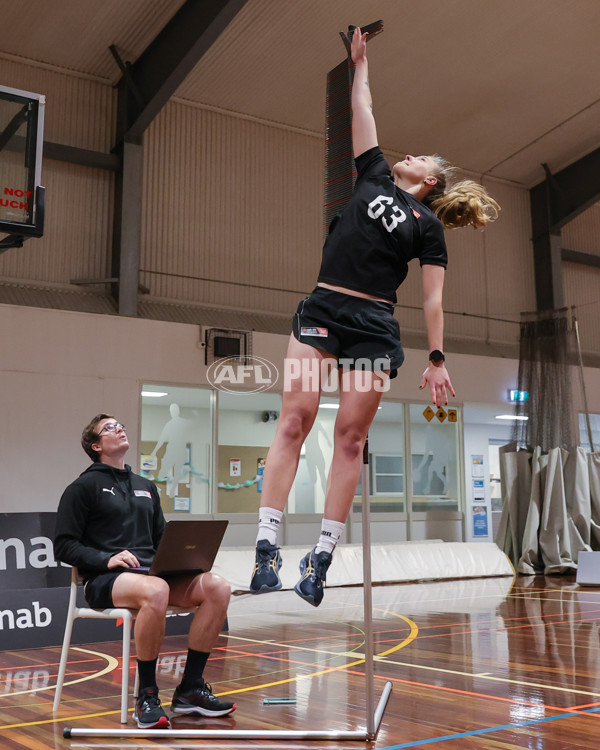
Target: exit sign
(518, 397)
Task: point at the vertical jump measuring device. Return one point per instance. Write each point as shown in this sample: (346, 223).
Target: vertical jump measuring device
(339, 182)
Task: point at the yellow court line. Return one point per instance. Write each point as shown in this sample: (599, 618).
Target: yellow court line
(292, 647)
(112, 664)
(414, 630)
(413, 634)
(52, 721)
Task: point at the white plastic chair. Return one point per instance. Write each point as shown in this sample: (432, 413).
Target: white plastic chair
(117, 613)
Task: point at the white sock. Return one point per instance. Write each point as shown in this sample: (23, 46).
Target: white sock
(331, 531)
(268, 524)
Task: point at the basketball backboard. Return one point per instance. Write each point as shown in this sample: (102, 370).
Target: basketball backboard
(21, 146)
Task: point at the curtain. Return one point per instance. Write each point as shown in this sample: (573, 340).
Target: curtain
(550, 508)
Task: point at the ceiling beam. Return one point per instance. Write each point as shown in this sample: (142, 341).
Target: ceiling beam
(556, 201)
(584, 259)
(163, 66)
(71, 154)
(567, 193)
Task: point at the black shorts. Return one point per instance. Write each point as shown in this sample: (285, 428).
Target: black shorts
(98, 589)
(351, 328)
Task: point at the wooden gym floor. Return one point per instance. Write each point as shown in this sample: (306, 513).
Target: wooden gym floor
(487, 663)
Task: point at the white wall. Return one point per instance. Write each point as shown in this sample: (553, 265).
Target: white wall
(60, 368)
(476, 442)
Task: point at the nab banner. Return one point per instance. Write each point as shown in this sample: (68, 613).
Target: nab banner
(35, 589)
(27, 554)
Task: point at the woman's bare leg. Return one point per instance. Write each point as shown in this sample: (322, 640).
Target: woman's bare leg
(304, 367)
(360, 395)
(298, 411)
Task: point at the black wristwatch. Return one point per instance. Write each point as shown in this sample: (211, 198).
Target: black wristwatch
(437, 357)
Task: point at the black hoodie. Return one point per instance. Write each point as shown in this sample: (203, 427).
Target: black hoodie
(104, 511)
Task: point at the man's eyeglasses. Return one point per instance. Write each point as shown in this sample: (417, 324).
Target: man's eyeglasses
(112, 427)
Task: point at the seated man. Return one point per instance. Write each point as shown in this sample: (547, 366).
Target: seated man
(110, 521)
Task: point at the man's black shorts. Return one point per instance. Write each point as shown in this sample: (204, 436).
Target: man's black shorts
(350, 328)
(98, 589)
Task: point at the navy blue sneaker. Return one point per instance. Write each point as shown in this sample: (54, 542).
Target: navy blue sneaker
(313, 570)
(265, 576)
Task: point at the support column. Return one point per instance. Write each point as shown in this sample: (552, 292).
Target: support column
(127, 234)
(547, 256)
(554, 202)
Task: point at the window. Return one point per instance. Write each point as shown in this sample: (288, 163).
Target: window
(387, 475)
(434, 463)
(175, 446)
(386, 461)
(246, 428)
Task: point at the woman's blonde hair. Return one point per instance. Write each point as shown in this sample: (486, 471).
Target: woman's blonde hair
(460, 204)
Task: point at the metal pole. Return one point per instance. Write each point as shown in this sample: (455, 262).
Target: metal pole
(367, 598)
(218, 734)
(239, 734)
(585, 403)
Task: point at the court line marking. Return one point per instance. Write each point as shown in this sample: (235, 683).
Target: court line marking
(485, 696)
(414, 630)
(487, 676)
(486, 730)
(405, 642)
(112, 664)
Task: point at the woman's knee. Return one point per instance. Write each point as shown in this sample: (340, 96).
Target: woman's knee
(349, 442)
(295, 425)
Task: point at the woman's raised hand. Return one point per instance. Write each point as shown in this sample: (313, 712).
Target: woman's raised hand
(359, 46)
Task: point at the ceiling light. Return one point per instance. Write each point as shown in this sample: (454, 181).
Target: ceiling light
(512, 416)
(154, 394)
(337, 406)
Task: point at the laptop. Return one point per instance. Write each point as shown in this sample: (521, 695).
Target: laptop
(186, 547)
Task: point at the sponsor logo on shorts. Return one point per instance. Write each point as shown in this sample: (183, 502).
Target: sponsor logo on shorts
(313, 331)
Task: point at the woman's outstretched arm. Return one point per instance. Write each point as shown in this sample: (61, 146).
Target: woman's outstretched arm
(364, 130)
(435, 376)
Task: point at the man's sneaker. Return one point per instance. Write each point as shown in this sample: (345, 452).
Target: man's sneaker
(148, 712)
(313, 569)
(265, 576)
(200, 700)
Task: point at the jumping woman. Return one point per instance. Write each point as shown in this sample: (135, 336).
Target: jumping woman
(393, 216)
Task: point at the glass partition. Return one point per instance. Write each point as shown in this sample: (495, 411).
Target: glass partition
(434, 460)
(175, 446)
(308, 491)
(387, 481)
(246, 428)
